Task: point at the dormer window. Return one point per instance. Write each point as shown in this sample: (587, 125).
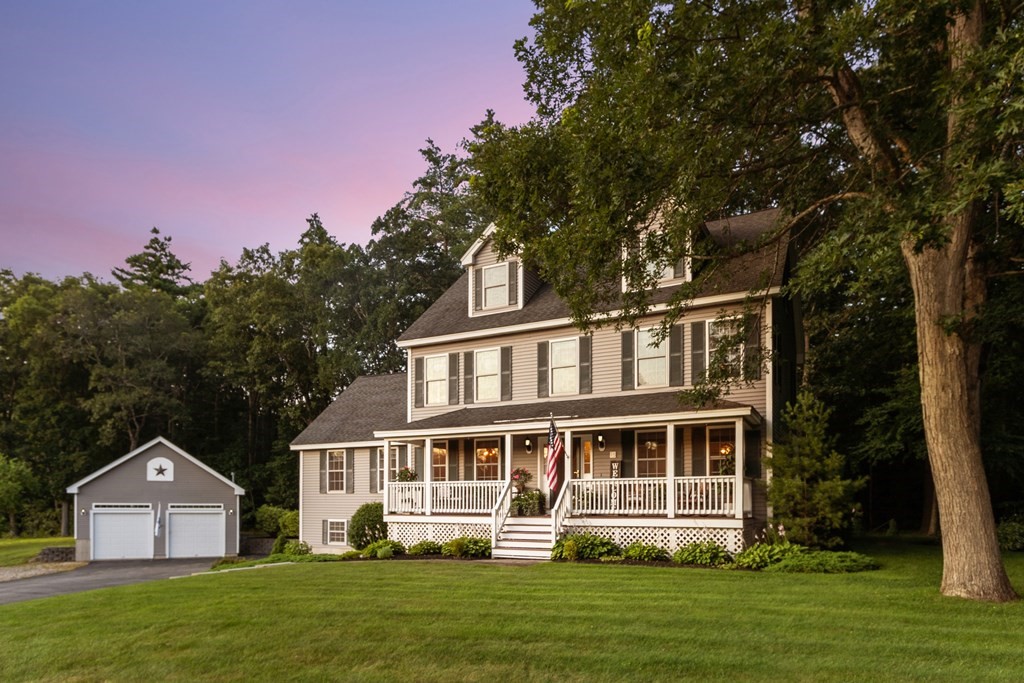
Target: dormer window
(495, 286)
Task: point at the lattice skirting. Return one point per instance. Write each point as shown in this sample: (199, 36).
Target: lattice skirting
(409, 533)
(671, 539)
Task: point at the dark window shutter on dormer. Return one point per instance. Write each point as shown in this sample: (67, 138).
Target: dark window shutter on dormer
(453, 460)
(699, 452)
(752, 350)
(417, 381)
(680, 269)
(542, 369)
(586, 373)
(478, 289)
(513, 283)
(698, 359)
(373, 471)
(627, 360)
(675, 356)
(350, 470)
(453, 379)
(469, 383)
(506, 373)
(323, 471)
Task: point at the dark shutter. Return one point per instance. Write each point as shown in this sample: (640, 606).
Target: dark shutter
(468, 460)
(453, 460)
(373, 470)
(675, 356)
(586, 371)
(478, 289)
(698, 358)
(350, 470)
(469, 383)
(627, 360)
(680, 433)
(628, 439)
(506, 373)
(453, 379)
(542, 369)
(418, 381)
(323, 471)
(417, 452)
(699, 452)
(513, 283)
(752, 350)
(680, 269)
(752, 453)
(502, 455)
(325, 531)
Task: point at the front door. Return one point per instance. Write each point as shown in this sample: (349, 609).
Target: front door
(582, 457)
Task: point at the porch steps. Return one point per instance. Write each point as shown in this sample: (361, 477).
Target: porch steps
(526, 538)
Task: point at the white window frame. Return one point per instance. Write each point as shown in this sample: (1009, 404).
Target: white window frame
(663, 354)
(335, 470)
(441, 445)
(485, 287)
(641, 447)
(478, 396)
(410, 457)
(714, 455)
(382, 464)
(736, 361)
(477, 445)
(552, 390)
(331, 532)
(442, 382)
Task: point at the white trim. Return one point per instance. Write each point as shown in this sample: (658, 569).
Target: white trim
(501, 266)
(476, 447)
(719, 299)
(729, 319)
(476, 364)
(576, 366)
(344, 522)
(430, 465)
(426, 381)
(239, 491)
(343, 469)
(663, 347)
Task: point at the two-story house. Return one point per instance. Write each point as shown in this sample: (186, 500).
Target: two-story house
(496, 360)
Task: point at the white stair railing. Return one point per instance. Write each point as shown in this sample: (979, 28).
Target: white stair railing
(559, 511)
(500, 512)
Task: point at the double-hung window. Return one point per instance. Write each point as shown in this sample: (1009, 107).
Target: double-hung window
(337, 532)
(381, 464)
(439, 461)
(651, 359)
(650, 454)
(436, 379)
(495, 286)
(721, 451)
(724, 346)
(565, 375)
(487, 377)
(335, 470)
(487, 458)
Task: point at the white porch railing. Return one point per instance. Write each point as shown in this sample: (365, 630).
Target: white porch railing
(500, 512)
(559, 511)
(641, 496)
(705, 495)
(446, 497)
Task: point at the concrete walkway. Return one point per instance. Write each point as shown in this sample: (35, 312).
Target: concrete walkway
(98, 575)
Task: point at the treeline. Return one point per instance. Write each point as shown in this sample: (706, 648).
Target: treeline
(232, 368)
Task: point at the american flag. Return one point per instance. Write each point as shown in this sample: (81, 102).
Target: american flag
(555, 452)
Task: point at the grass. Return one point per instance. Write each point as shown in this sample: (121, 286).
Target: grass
(15, 551)
(466, 621)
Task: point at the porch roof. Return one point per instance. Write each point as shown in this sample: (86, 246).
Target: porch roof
(629, 409)
(369, 403)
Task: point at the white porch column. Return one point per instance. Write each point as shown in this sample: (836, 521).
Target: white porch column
(739, 503)
(387, 475)
(670, 471)
(428, 473)
(508, 458)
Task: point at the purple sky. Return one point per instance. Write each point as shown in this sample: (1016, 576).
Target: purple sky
(225, 124)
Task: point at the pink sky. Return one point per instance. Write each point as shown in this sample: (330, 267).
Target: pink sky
(226, 124)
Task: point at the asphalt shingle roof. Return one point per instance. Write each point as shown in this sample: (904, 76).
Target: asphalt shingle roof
(368, 404)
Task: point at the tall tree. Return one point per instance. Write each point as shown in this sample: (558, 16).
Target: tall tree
(891, 119)
(156, 268)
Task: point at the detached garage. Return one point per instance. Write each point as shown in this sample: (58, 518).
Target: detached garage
(156, 502)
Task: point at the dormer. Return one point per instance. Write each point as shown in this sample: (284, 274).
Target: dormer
(664, 272)
(495, 285)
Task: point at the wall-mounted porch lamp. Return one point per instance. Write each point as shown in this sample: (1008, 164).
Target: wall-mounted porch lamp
(600, 442)
(529, 445)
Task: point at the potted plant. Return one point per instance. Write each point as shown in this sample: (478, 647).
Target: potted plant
(520, 478)
(406, 474)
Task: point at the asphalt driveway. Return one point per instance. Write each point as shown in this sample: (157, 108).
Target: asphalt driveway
(98, 575)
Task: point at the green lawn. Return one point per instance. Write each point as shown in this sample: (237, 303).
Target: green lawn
(20, 550)
(454, 621)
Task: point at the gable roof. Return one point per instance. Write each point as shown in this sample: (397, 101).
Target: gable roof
(370, 403)
(239, 491)
(752, 270)
(478, 244)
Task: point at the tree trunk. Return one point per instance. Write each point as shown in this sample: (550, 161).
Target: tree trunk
(943, 283)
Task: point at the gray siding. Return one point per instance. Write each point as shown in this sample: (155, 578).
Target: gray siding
(316, 506)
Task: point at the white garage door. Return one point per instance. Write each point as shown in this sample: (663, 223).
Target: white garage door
(195, 532)
(122, 535)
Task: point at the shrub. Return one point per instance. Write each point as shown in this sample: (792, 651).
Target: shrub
(268, 519)
(703, 554)
(326, 557)
(644, 552)
(385, 553)
(1011, 533)
(467, 548)
(372, 551)
(425, 548)
(297, 548)
(279, 545)
(528, 504)
(352, 555)
(367, 526)
(824, 562)
(761, 555)
(289, 523)
(573, 547)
